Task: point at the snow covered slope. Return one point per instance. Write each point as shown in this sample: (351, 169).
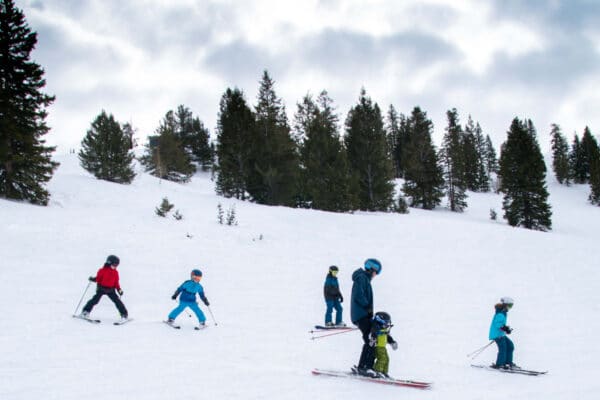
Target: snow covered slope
(442, 274)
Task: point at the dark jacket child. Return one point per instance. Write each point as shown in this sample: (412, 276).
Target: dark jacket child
(361, 311)
(380, 337)
(188, 291)
(498, 332)
(107, 281)
(333, 298)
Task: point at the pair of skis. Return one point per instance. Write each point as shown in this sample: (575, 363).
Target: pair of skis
(174, 326)
(383, 381)
(519, 371)
(97, 321)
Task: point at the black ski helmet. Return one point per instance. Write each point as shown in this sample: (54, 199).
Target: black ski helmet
(112, 260)
(333, 268)
(382, 319)
(196, 272)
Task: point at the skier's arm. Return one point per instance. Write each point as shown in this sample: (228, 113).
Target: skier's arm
(179, 289)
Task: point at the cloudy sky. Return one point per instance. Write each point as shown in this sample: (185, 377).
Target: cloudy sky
(494, 60)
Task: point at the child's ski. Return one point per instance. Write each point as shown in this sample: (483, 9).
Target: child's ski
(172, 325)
(201, 327)
(93, 321)
(122, 322)
(384, 381)
(519, 371)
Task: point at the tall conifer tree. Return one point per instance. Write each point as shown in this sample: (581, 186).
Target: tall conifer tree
(326, 180)
(165, 155)
(105, 150)
(194, 137)
(523, 172)
(272, 178)
(366, 144)
(424, 180)
(453, 160)
(235, 130)
(25, 163)
(560, 155)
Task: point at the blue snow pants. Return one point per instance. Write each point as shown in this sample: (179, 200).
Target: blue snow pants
(505, 351)
(193, 305)
(331, 304)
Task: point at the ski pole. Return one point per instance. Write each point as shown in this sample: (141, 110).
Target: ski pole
(82, 296)
(334, 333)
(211, 314)
(480, 350)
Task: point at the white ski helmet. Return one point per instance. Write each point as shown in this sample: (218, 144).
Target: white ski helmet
(507, 300)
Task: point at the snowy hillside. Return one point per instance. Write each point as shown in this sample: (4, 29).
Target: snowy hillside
(442, 274)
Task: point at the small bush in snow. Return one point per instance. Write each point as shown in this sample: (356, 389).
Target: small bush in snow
(177, 215)
(164, 208)
(493, 214)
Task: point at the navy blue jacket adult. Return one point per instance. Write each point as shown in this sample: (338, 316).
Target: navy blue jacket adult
(361, 304)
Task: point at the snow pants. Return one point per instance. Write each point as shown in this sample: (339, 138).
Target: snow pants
(182, 306)
(367, 355)
(382, 360)
(331, 305)
(110, 292)
(505, 351)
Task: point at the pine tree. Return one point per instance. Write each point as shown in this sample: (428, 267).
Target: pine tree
(522, 172)
(594, 197)
(194, 137)
(272, 177)
(483, 176)
(326, 179)
(105, 151)
(490, 160)
(423, 175)
(165, 155)
(453, 161)
(25, 163)
(368, 157)
(235, 130)
(576, 167)
(394, 139)
(589, 149)
(560, 155)
(471, 156)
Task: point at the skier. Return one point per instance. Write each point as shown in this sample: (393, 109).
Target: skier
(107, 280)
(361, 312)
(380, 337)
(188, 290)
(498, 333)
(333, 298)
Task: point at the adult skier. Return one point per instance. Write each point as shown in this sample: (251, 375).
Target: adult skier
(361, 312)
(498, 333)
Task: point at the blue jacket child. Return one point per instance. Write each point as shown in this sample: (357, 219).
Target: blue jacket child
(188, 291)
(333, 298)
(498, 332)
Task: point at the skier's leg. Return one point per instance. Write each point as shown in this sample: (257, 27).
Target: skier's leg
(510, 347)
(117, 300)
(198, 312)
(502, 348)
(338, 312)
(367, 355)
(382, 361)
(92, 302)
(177, 310)
(329, 311)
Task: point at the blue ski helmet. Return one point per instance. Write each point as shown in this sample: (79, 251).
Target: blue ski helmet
(373, 264)
(196, 272)
(112, 260)
(382, 319)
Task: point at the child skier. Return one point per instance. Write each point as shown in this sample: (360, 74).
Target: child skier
(380, 337)
(107, 280)
(333, 298)
(188, 290)
(498, 332)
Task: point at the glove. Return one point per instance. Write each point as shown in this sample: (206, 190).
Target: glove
(370, 312)
(372, 341)
(394, 346)
(206, 302)
(341, 299)
(506, 329)
(174, 297)
(92, 279)
(120, 291)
